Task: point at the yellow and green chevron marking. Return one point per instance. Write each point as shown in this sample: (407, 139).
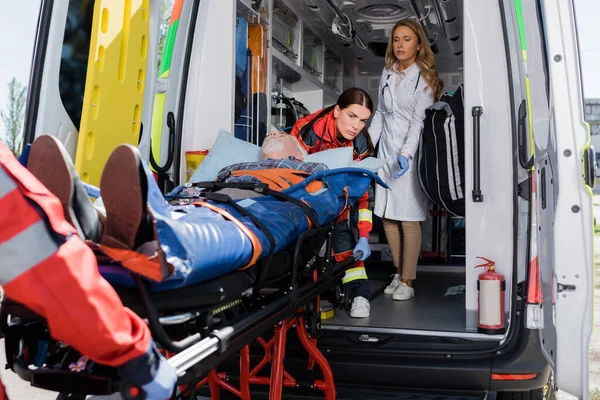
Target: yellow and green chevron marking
(164, 71)
(521, 25)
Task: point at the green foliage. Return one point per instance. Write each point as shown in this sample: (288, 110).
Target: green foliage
(13, 118)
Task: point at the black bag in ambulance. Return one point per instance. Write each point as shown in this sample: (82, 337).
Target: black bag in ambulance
(441, 158)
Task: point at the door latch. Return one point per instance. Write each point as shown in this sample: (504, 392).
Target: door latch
(369, 339)
(566, 288)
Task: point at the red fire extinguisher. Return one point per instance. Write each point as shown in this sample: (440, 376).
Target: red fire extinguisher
(491, 286)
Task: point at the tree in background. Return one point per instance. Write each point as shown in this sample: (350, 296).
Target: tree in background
(166, 9)
(14, 118)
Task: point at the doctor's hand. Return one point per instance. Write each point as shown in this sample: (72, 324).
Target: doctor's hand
(362, 245)
(403, 162)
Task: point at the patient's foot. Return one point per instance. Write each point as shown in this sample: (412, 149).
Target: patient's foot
(124, 191)
(51, 164)
(361, 308)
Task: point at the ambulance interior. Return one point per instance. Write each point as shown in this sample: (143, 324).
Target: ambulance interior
(438, 304)
(318, 48)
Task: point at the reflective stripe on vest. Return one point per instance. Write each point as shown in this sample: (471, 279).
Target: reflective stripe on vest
(25, 236)
(25, 250)
(354, 274)
(365, 215)
(33, 190)
(7, 185)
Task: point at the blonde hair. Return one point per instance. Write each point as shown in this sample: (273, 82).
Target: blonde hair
(425, 58)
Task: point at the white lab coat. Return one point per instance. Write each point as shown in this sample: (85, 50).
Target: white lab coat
(397, 124)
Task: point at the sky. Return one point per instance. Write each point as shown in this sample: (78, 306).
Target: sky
(18, 22)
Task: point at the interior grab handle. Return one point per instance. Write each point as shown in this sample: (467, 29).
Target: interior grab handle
(526, 163)
(476, 113)
(164, 169)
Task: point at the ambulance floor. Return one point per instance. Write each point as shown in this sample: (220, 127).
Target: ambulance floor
(438, 305)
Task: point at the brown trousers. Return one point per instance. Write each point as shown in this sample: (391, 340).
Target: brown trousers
(404, 239)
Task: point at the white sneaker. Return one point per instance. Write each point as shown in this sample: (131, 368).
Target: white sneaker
(360, 307)
(391, 288)
(404, 292)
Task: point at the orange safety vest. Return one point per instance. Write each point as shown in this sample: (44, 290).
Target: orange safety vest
(49, 269)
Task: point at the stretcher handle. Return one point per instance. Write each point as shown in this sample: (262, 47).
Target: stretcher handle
(304, 236)
(358, 255)
(154, 322)
(184, 360)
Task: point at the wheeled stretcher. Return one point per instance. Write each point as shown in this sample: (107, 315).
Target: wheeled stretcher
(201, 319)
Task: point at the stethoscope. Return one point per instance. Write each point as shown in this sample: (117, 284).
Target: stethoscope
(387, 86)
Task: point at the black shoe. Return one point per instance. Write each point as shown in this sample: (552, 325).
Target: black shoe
(51, 164)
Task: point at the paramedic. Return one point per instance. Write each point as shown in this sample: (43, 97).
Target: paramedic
(409, 84)
(58, 279)
(343, 125)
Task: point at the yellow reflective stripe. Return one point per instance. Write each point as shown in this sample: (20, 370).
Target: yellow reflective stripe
(365, 215)
(354, 274)
(18, 255)
(355, 269)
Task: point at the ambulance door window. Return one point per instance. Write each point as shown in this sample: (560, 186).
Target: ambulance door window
(74, 57)
(165, 47)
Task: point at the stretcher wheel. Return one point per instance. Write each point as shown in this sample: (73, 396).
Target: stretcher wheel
(342, 297)
(315, 325)
(346, 299)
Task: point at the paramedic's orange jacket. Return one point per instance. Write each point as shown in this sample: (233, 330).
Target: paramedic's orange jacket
(48, 268)
(322, 136)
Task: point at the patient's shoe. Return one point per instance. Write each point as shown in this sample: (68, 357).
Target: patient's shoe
(51, 164)
(391, 288)
(404, 292)
(361, 308)
(124, 189)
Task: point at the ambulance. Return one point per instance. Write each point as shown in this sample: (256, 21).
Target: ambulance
(168, 75)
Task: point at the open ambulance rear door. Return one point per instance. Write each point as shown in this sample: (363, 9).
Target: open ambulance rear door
(89, 76)
(564, 203)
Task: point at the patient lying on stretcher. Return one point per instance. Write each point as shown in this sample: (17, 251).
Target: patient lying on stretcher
(279, 151)
(137, 213)
(123, 184)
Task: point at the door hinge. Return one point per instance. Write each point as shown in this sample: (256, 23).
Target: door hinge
(566, 288)
(524, 189)
(162, 85)
(534, 316)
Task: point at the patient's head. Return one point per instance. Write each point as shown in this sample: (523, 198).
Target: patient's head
(281, 145)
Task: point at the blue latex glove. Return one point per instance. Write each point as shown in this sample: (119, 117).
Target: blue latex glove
(403, 162)
(151, 373)
(362, 245)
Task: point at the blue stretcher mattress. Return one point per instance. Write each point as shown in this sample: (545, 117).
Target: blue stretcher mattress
(202, 244)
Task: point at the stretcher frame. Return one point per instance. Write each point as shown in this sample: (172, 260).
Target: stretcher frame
(289, 307)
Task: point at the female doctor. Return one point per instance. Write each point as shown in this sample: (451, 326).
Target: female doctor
(409, 84)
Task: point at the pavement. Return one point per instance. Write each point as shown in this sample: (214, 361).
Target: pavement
(19, 389)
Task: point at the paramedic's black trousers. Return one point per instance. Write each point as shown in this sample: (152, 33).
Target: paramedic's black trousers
(356, 280)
